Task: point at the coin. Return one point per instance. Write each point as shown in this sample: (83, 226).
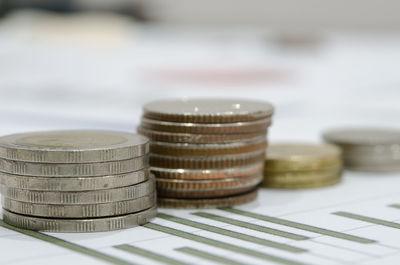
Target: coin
(300, 177)
(73, 146)
(295, 157)
(73, 183)
(79, 225)
(184, 149)
(207, 110)
(171, 137)
(73, 170)
(80, 211)
(81, 197)
(314, 184)
(206, 162)
(199, 174)
(363, 136)
(207, 203)
(209, 128)
(207, 188)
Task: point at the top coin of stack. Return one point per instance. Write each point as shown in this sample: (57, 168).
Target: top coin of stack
(296, 166)
(206, 152)
(76, 181)
(368, 149)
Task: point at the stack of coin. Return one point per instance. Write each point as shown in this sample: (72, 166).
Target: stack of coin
(373, 150)
(206, 152)
(297, 166)
(76, 181)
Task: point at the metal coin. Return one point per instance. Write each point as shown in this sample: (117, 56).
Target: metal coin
(185, 149)
(207, 189)
(207, 110)
(171, 137)
(207, 203)
(211, 128)
(363, 136)
(80, 211)
(79, 225)
(73, 146)
(74, 183)
(204, 174)
(300, 177)
(81, 197)
(73, 170)
(206, 162)
(298, 157)
(314, 184)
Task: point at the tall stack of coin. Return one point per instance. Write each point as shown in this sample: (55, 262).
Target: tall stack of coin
(297, 166)
(76, 181)
(367, 149)
(206, 152)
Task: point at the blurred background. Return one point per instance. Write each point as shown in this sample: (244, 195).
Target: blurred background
(94, 63)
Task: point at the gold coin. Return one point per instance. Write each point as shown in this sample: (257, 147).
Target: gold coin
(315, 184)
(300, 176)
(203, 174)
(184, 149)
(208, 203)
(206, 188)
(163, 161)
(298, 157)
(207, 128)
(171, 137)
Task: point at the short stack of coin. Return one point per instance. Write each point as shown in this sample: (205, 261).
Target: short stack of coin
(367, 149)
(298, 166)
(206, 152)
(76, 181)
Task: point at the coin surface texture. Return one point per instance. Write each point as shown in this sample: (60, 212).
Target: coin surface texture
(363, 136)
(80, 146)
(207, 110)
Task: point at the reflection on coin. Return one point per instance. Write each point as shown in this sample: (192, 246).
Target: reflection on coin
(72, 146)
(228, 128)
(73, 183)
(80, 211)
(171, 137)
(80, 197)
(287, 157)
(206, 162)
(363, 136)
(73, 170)
(203, 174)
(207, 188)
(181, 149)
(207, 203)
(207, 110)
(79, 225)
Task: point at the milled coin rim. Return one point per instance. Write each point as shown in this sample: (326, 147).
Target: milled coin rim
(79, 225)
(136, 146)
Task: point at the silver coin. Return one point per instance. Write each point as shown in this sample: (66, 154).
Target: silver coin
(209, 128)
(73, 170)
(81, 197)
(80, 211)
(73, 146)
(207, 110)
(79, 225)
(73, 183)
(363, 136)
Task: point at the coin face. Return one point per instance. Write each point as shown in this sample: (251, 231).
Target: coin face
(72, 146)
(207, 110)
(363, 136)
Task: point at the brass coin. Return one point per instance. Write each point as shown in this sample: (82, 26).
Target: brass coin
(315, 184)
(206, 162)
(298, 157)
(200, 128)
(171, 137)
(203, 174)
(300, 177)
(208, 110)
(208, 203)
(182, 149)
(206, 188)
